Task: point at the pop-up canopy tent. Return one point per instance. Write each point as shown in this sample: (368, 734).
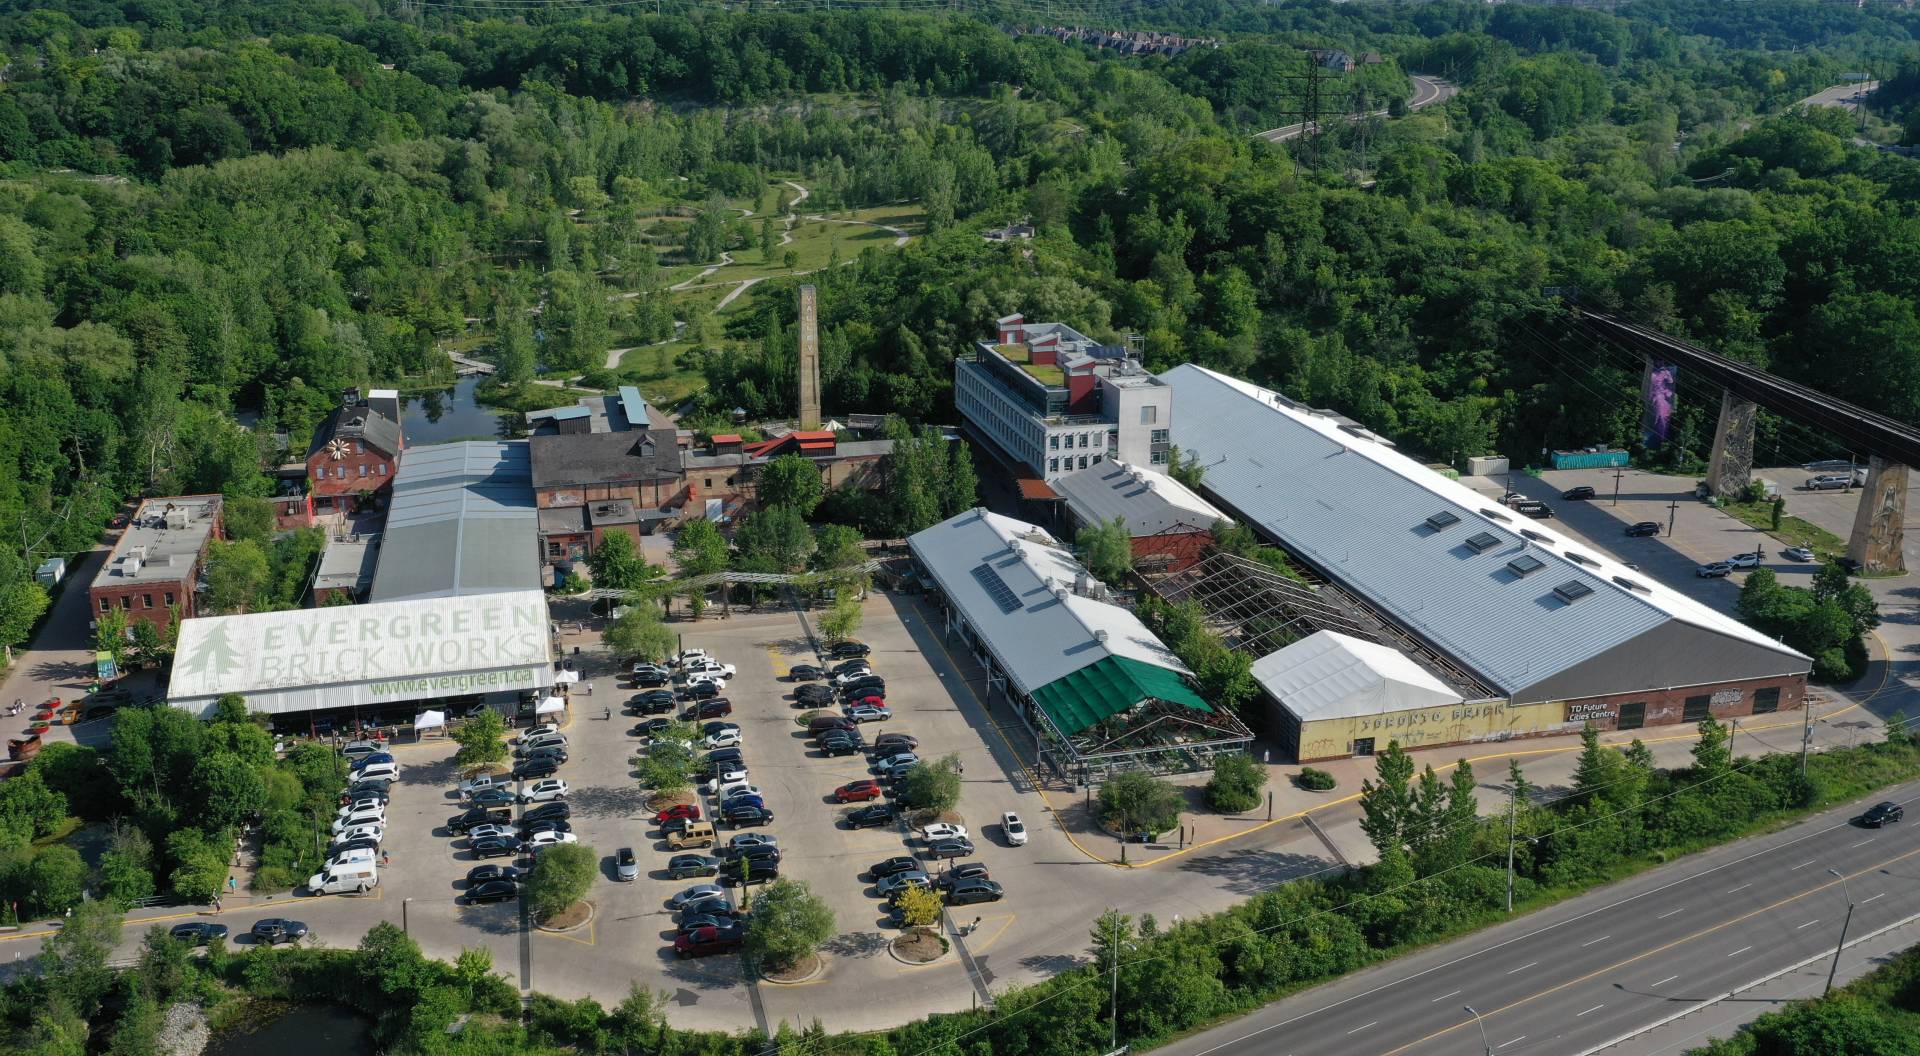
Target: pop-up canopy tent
(551, 706)
(429, 720)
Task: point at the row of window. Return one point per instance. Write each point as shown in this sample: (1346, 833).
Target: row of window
(380, 470)
(1056, 465)
(146, 601)
(986, 407)
(1086, 440)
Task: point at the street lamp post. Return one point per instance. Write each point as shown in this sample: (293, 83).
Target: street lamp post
(404, 903)
(1485, 1042)
(1511, 798)
(1844, 924)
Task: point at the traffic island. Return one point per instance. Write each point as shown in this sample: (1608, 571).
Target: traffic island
(918, 946)
(804, 970)
(572, 918)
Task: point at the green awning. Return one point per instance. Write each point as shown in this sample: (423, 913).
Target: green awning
(1107, 688)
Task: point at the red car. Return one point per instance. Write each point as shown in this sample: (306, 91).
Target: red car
(690, 811)
(703, 941)
(857, 791)
(873, 701)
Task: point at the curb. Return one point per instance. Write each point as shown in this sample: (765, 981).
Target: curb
(944, 954)
(592, 912)
(819, 969)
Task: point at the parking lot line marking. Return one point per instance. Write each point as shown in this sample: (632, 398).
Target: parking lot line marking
(1001, 930)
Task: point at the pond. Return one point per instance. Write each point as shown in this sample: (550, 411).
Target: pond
(442, 416)
(305, 1030)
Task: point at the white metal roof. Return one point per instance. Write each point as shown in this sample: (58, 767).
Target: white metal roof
(462, 521)
(1329, 675)
(1149, 502)
(1004, 576)
(1358, 510)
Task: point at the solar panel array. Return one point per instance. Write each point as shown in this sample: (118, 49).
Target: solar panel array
(996, 587)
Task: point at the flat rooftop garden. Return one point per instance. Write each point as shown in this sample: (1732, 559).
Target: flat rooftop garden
(1048, 374)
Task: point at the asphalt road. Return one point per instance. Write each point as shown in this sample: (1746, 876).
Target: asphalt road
(1426, 92)
(1589, 971)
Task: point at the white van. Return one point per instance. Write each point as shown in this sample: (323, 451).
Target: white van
(359, 818)
(378, 771)
(346, 876)
(357, 856)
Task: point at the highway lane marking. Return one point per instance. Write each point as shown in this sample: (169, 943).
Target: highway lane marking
(1668, 979)
(1362, 1027)
(1524, 967)
(1443, 997)
(1739, 951)
(1643, 955)
(1515, 1041)
(1863, 843)
(1595, 1008)
(1602, 938)
(1742, 887)
(1804, 864)
(1809, 923)
(1882, 894)
(1670, 913)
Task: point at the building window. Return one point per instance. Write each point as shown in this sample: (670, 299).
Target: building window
(1158, 458)
(146, 601)
(1766, 701)
(1096, 460)
(709, 482)
(1053, 465)
(380, 470)
(1099, 439)
(126, 601)
(1053, 441)
(1149, 414)
(105, 604)
(169, 597)
(1086, 439)
(363, 469)
(1159, 436)
(1083, 461)
(1697, 708)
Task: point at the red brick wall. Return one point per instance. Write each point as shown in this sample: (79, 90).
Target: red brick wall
(144, 601)
(332, 484)
(1665, 707)
(1181, 548)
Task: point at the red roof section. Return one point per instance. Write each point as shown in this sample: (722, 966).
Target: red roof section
(1038, 490)
(726, 438)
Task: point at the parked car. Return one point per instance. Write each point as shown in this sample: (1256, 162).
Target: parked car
(493, 891)
(972, 892)
(899, 863)
(353, 750)
(848, 667)
(744, 815)
(688, 656)
(695, 894)
(691, 834)
(943, 849)
(625, 865)
(869, 712)
(1013, 829)
(540, 841)
(871, 700)
(198, 933)
(682, 866)
(1750, 559)
(275, 930)
(551, 740)
(892, 882)
(841, 743)
(1828, 482)
(1643, 528)
(813, 694)
(710, 940)
(489, 830)
(370, 759)
(1534, 508)
(803, 673)
(497, 796)
(702, 689)
(550, 754)
(751, 839)
(864, 686)
(888, 762)
(756, 871)
(678, 810)
(940, 830)
(495, 847)
(820, 724)
(871, 816)
(888, 741)
(722, 739)
(716, 708)
(656, 702)
(857, 791)
(530, 828)
(644, 669)
(344, 850)
(473, 786)
(532, 769)
(464, 822)
(711, 906)
(387, 771)
(1576, 494)
(1882, 814)
(1716, 570)
(752, 852)
(735, 793)
(1797, 553)
(842, 650)
(541, 791)
(480, 874)
(960, 871)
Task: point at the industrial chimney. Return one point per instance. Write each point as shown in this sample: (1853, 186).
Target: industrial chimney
(809, 358)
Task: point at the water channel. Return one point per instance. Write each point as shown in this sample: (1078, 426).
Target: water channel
(305, 1030)
(442, 416)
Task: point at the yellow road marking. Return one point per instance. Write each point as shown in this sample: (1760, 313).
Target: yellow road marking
(592, 938)
(1649, 953)
(1001, 930)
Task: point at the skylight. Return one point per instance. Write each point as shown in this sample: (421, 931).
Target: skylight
(1481, 542)
(1443, 520)
(1525, 565)
(1572, 590)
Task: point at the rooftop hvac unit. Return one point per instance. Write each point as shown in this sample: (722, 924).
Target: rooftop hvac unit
(1080, 582)
(1100, 636)
(129, 565)
(1060, 593)
(179, 516)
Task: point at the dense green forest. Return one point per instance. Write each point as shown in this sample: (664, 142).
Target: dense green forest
(212, 210)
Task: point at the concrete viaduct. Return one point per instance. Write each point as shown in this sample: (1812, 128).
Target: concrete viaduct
(1892, 446)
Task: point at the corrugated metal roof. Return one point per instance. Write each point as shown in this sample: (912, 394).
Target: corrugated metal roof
(1358, 510)
(462, 521)
(1329, 675)
(1109, 687)
(1149, 502)
(1042, 637)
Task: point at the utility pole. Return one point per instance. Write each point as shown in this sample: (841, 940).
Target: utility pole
(1113, 1020)
(1844, 924)
(1618, 472)
(1512, 805)
(1673, 511)
(1806, 734)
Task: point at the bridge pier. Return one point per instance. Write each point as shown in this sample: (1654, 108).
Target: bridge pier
(1730, 468)
(1879, 523)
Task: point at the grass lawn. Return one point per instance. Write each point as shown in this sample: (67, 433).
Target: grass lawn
(530, 397)
(812, 246)
(653, 369)
(907, 216)
(1793, 531)
(1044, 373)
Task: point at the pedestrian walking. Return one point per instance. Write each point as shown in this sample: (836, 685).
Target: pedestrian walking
(233, 885)
(606, 714)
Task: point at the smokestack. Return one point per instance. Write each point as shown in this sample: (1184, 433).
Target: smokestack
(809, 358)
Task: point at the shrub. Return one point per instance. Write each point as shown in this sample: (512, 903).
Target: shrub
(561, 876)
(789, 921)
(1236, 784)
(1139, 802)
(933, 786)
(1315, 780)
(919, 906)
(482, 740)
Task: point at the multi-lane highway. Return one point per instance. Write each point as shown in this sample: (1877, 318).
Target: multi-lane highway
(1575, 978)
(1426, 92)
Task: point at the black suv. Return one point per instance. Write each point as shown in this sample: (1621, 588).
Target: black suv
(1576, 494)
(870, 816)
(848, 650)
(1643, 529)
(759, 870)
(1882, 814)
(543, 766)
(658, 702)
(461, 822)
(554, 811)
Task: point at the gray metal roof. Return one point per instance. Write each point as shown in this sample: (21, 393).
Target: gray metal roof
(462, 521)
(1357, 510)
(1150, 503)
(1005, 577)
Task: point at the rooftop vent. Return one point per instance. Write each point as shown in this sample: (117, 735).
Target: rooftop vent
(1443, 520)
(1495, 515)
(1581, 559)
(1525, 565)
(1538, 537)
(1571, 591)
(1631, 584)
(1481, 542)
(1100, 636)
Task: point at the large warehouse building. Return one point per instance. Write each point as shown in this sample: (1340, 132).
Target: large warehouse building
(1506, 612)
(462, 522)
(1098, 690)
(366, 656)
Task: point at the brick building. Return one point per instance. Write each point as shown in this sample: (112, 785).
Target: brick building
(1171, 527)
(354, 454)
(155, 564)
(608, 463)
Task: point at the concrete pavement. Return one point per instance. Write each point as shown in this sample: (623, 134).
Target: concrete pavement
(1583, 973)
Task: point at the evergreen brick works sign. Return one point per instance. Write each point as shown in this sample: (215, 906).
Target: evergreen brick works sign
(399, 650)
